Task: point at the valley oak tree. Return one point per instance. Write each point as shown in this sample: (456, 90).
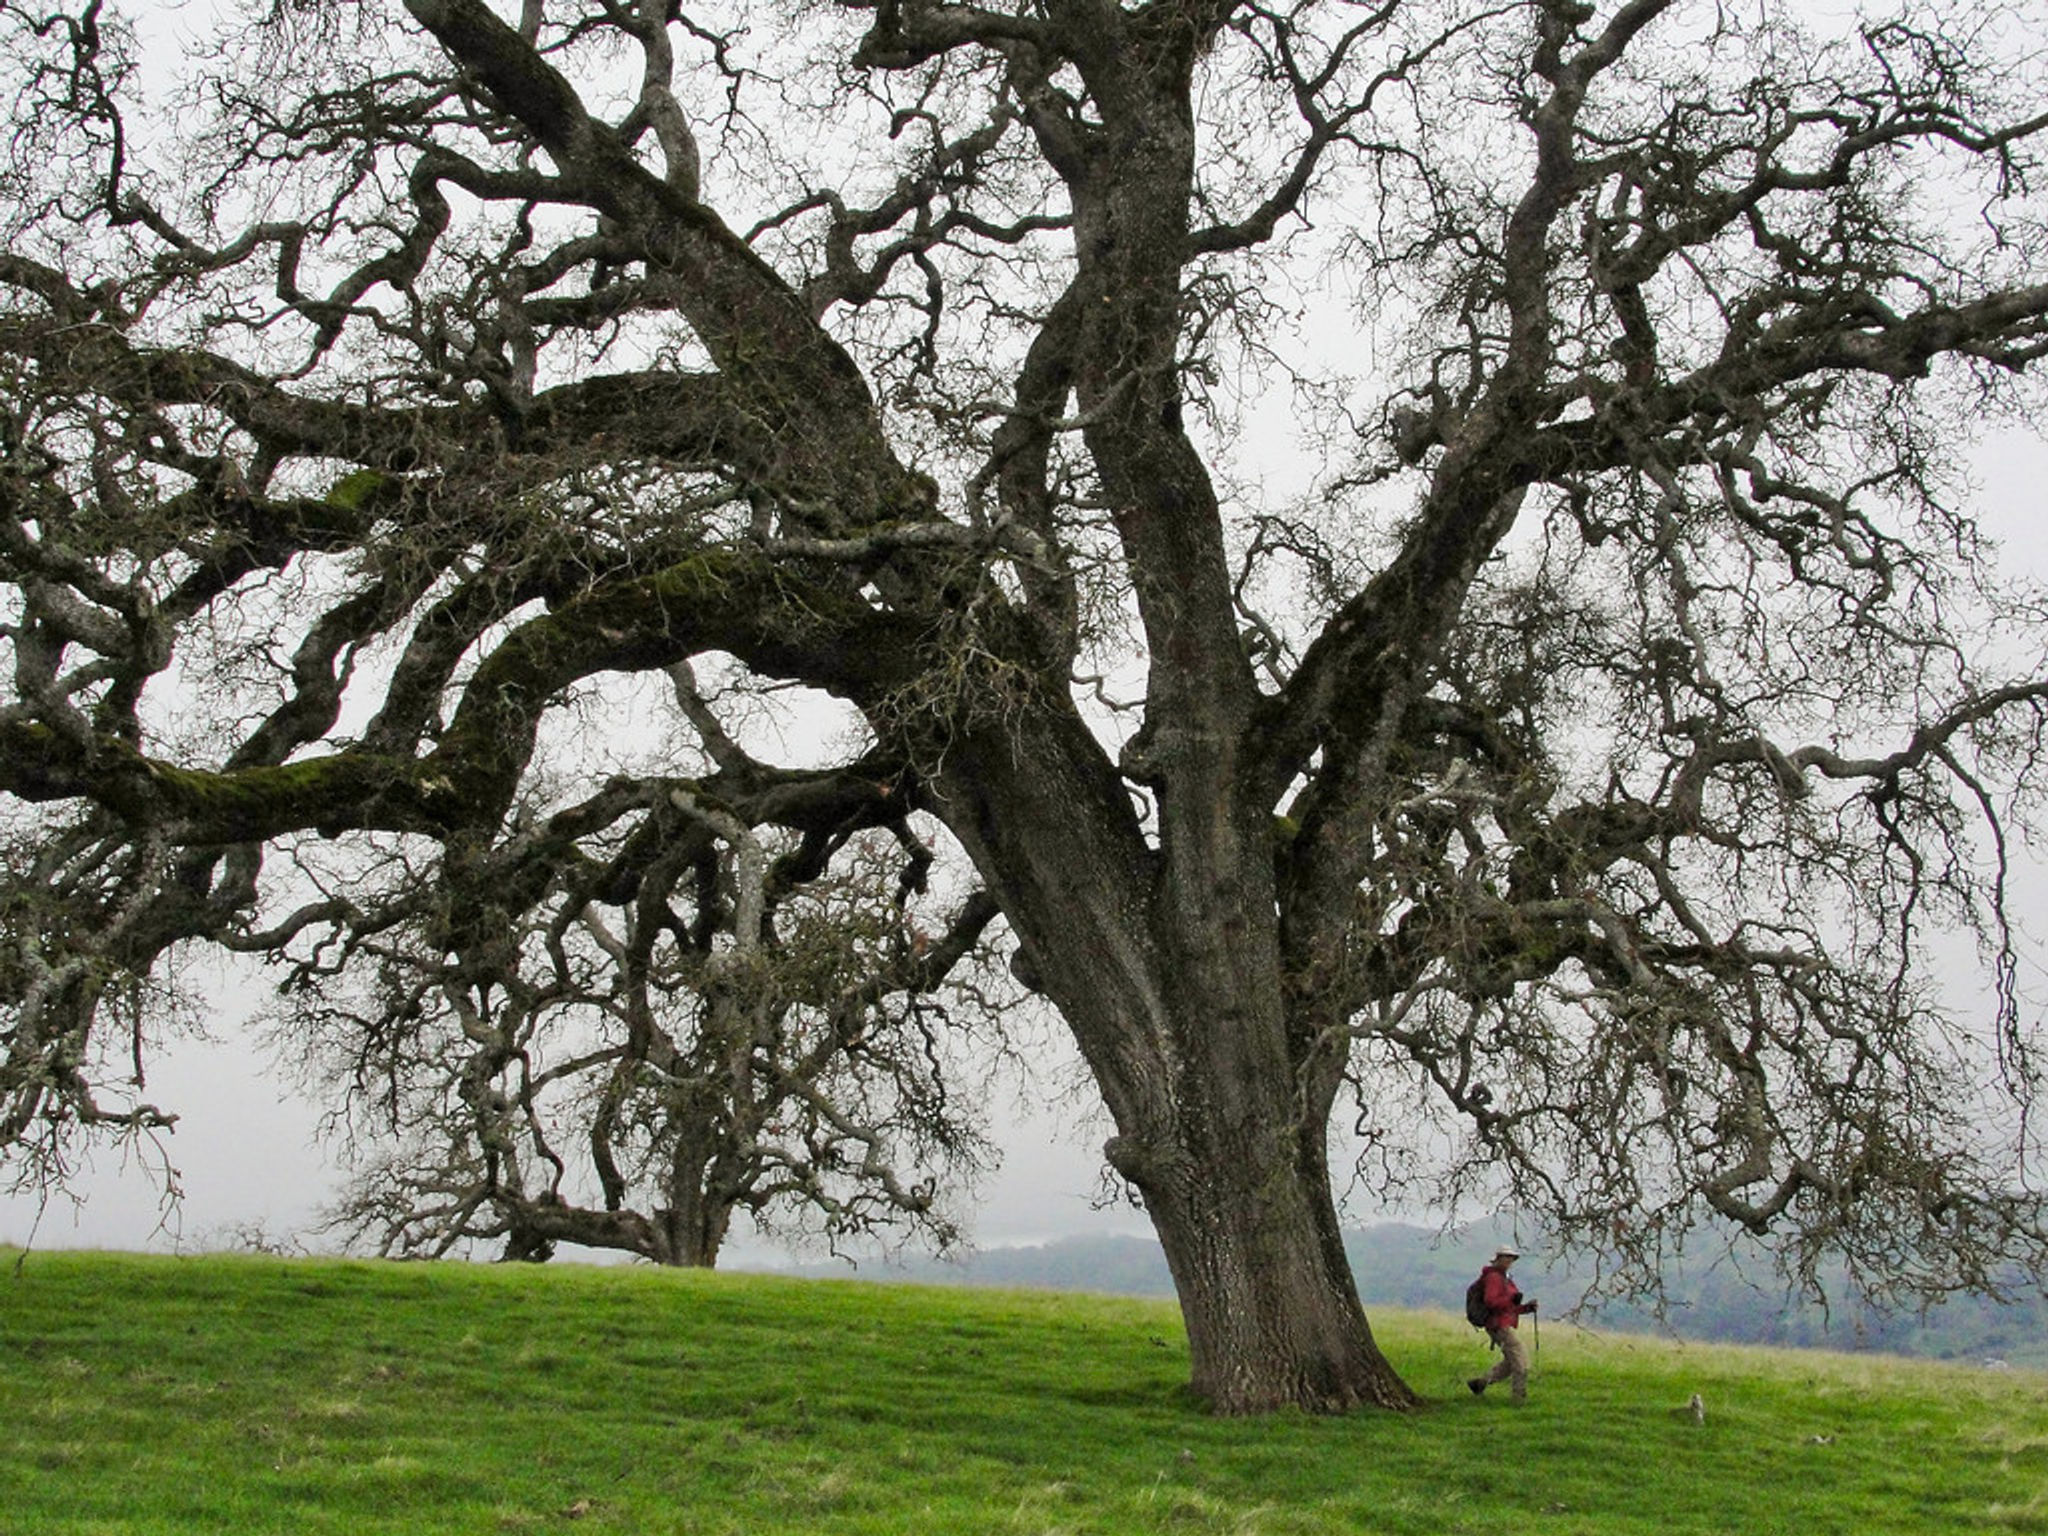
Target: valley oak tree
(630, 1057)
(1419, 551)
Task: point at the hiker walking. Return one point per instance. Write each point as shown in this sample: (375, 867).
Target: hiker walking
(1496, 1299)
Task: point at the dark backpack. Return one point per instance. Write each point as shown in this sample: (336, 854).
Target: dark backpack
(1475, 1303)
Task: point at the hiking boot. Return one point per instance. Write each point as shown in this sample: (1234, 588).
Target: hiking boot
(1477, 1384)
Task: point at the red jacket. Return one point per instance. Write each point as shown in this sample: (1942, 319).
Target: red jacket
(1504, 1307)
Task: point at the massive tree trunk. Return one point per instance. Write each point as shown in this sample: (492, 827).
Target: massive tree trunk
(1163, 956)
(1239, 1196)
(1227, 1150)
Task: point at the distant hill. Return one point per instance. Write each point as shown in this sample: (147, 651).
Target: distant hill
(1410, 1266)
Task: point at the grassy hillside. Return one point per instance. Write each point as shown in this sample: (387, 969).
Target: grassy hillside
(250, 1395)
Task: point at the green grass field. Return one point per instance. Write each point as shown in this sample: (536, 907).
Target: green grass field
(247, 1395)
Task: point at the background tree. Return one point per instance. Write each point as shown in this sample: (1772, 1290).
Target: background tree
(651, 1045)
(1577, 756)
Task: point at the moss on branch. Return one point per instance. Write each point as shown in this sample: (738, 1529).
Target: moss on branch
(209, 806)
(733, 599)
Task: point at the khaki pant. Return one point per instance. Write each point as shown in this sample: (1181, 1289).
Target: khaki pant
(1514, 1361)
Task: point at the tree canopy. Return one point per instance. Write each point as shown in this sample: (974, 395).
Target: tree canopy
(1419, 552)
